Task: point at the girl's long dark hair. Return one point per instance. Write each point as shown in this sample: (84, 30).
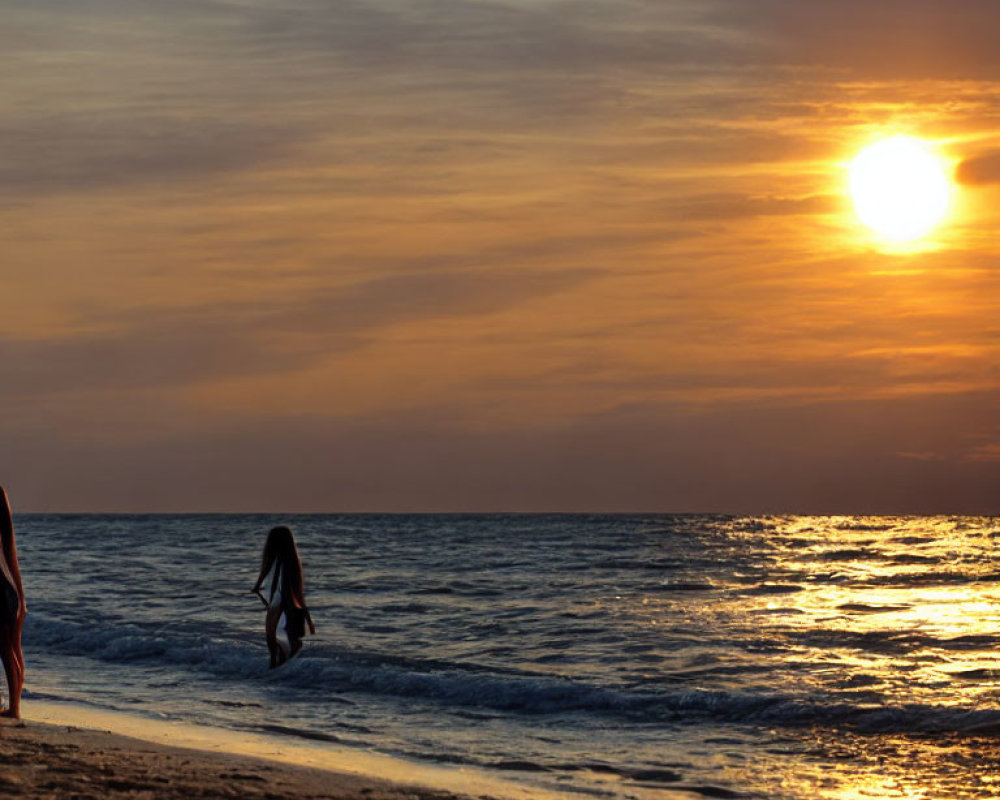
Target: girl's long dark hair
(9, 569)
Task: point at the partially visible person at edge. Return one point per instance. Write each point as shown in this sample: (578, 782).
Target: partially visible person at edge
(281, 578)
(12, 611)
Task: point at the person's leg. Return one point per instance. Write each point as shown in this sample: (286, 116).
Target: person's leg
(13, 666)
(271, 631)
(6, 657)
(13, 671)
(16, 686)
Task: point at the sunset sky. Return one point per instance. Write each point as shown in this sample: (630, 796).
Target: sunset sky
(420, 255)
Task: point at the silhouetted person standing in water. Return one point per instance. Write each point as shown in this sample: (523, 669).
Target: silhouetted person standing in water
(287, 613)
(12, 611)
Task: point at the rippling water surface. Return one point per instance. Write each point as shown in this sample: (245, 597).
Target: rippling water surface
(627, 656)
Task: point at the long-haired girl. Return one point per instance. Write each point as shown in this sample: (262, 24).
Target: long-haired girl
(281, 579)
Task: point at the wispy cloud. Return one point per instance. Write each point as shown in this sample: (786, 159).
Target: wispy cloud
(982, 169)
(83, 151)
(985, 452)
(173, 347)
(885, 40)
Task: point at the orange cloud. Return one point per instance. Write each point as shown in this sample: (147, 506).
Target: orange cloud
(985, 452)
(982, 169)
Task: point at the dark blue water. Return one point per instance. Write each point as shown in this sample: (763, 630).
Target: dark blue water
(623, 655)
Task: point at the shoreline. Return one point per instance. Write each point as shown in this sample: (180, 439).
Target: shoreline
(65, 749)
(42, 760)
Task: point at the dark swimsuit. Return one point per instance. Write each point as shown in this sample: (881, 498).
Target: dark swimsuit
(8, 601)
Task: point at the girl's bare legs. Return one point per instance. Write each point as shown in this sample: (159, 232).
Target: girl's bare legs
(271, 631)
(13, 666)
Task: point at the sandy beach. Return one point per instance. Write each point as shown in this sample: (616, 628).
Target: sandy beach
(42, 760)
(69, 751)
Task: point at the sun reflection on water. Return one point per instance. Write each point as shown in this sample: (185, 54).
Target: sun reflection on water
(889, 626)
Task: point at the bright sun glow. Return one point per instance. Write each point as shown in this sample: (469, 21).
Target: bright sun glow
(900, 188)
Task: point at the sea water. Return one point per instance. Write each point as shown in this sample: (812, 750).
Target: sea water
(616, 656)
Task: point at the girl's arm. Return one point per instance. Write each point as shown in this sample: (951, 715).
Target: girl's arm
(6, 525)
(264, 569)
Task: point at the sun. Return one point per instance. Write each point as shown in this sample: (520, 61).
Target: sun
(900, 188)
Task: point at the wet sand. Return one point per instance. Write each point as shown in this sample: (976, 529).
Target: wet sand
(74, 751)
(40, 760)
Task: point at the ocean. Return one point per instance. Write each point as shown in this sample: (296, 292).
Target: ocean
(617, 656)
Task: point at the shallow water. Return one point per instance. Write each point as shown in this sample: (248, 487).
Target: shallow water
(795, 657)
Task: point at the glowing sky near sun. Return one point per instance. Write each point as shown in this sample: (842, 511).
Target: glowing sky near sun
(521, 254)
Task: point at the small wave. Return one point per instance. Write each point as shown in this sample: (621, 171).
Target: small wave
(856, 554)
(34, 694)
(893, 642)
(654, 565)
(976, 641)
(780, 611)
(773, 588)
(864, 526)
(913, 558)
(751, 525)
(404, 608)
(683, 586)
(981, 674)
(232, 703)
(913, 580)
(520, 766)
(654, 776)
(871, 608)
(708, 673)
(378, 629)
(300, 733)
(716, 792)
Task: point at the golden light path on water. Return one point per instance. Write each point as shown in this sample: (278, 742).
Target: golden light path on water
(900, 592)
(882, 621)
